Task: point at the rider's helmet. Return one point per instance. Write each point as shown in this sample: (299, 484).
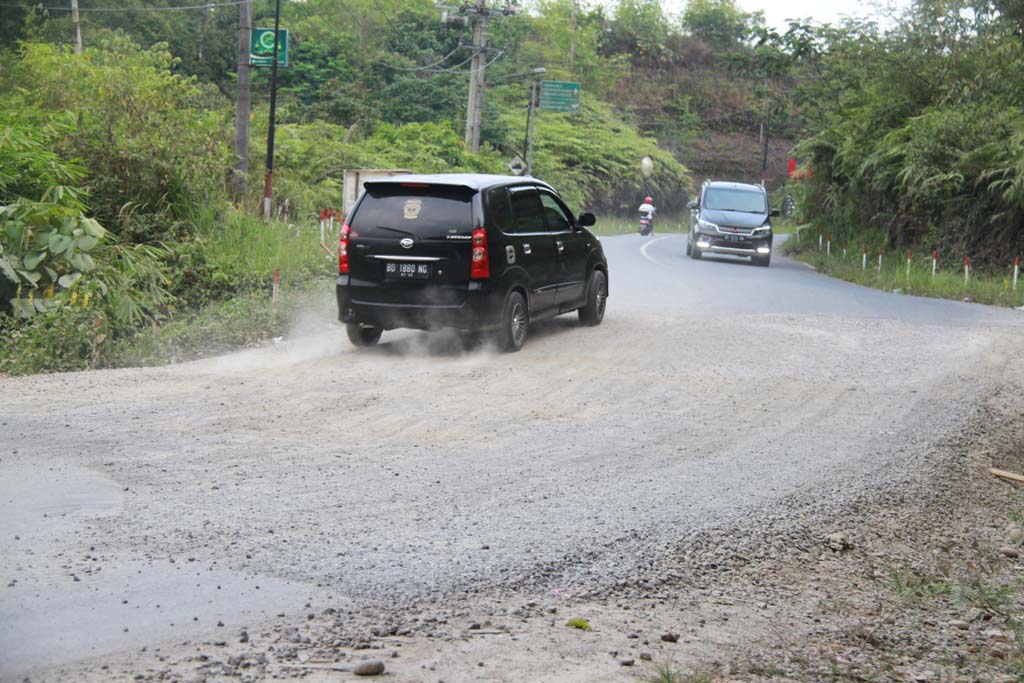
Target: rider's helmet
(648, 200)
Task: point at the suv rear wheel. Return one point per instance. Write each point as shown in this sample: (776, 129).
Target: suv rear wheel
(515, 323)
(597, 296)
(362, 336)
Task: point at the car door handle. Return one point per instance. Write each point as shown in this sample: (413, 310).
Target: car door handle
(527, 249)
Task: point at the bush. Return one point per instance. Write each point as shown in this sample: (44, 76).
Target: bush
(153, 144)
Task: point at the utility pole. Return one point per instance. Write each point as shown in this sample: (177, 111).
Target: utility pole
(268, 179)
(240, 177)
(475, 84)
(480, 14)
(77, 27)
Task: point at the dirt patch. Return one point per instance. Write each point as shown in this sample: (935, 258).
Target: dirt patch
(915, 582)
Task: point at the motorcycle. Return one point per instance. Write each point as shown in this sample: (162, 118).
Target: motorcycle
(646, 225)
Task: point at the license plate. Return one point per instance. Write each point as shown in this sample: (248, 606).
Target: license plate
(413, 271)
(734, 238)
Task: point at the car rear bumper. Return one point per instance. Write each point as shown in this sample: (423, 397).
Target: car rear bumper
(481, 308)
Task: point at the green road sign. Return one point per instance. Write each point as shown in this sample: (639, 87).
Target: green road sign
(559, 96)
(261, 47)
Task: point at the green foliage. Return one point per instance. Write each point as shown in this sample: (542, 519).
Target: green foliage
(594, 160)
(719, 23)
(151, 143)
(45, 240)
(917, 132)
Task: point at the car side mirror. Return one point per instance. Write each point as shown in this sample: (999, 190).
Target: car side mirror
(586, 220)
(773, 213)
(692, 205)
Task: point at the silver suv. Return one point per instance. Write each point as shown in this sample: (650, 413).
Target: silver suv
(731, 218)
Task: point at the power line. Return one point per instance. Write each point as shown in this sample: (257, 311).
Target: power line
(208, 5)
(425, 67)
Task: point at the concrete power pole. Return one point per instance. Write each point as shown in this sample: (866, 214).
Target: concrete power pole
(475, 85)
(239, 179)
(77, 27)
(480, 85)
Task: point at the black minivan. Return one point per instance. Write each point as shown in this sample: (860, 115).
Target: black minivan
(473, 252)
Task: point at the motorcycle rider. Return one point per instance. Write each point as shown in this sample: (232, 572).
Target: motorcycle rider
(647, 211)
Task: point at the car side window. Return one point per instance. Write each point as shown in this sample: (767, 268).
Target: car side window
(527, 210)
(498, 210)
(554, 214)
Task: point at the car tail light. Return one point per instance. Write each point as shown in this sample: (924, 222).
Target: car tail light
(480, 267)
(343, 249)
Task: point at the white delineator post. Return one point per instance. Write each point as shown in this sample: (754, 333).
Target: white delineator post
(277, 282)
(828, 246)
(321, 226)
(908, 264)
(1016, 272)
(844, 251)
(879, 260)
(967, 269)
(819, 240)
(865, 264)
(935, 261)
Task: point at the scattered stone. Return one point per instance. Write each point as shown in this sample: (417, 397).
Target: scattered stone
(839, 541)
(632, 635)
(1009, 551)
(369, 667)
(475, 626)
(922, 676)
(1015, 534)
(670, 637)
(960, 624)
(626, 661)
(646, 656)
(997, 636)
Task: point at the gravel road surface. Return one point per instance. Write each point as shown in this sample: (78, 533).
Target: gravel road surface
(142, 506)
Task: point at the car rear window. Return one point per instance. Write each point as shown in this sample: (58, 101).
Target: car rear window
(424, 212)
(728, 199)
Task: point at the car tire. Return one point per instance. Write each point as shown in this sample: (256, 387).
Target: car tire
(592, 313)
(695, 252)
(362, 336)
(689, 244)
(763, 261)
(515, 323)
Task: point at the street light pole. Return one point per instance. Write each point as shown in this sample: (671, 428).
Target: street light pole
(268, 179)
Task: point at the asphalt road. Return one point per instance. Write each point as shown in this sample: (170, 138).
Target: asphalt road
(147, 505)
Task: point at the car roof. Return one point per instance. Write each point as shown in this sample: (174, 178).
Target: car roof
(472, 181)
(735, 186)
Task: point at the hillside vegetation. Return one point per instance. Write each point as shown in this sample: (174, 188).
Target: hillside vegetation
(115, 164)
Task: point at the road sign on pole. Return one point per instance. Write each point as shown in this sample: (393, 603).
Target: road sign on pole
(561, 96)
(517, 166)
(261, 47)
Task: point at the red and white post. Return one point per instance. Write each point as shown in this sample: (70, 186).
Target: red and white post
(967, 269)
(844, 251)
(1016, 272)
(909, 256)
(935, 261)
(277, 284)
(322, 216)
(828, 246)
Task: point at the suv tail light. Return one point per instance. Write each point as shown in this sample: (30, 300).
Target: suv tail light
(343, 249)
(480, 267)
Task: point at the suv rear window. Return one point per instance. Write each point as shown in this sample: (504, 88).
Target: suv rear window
(423, 212)
(728, 199)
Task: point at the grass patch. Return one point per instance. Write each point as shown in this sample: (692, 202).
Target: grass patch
(608, 225)
(995, 288)
(581, 624)
(668, 673)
